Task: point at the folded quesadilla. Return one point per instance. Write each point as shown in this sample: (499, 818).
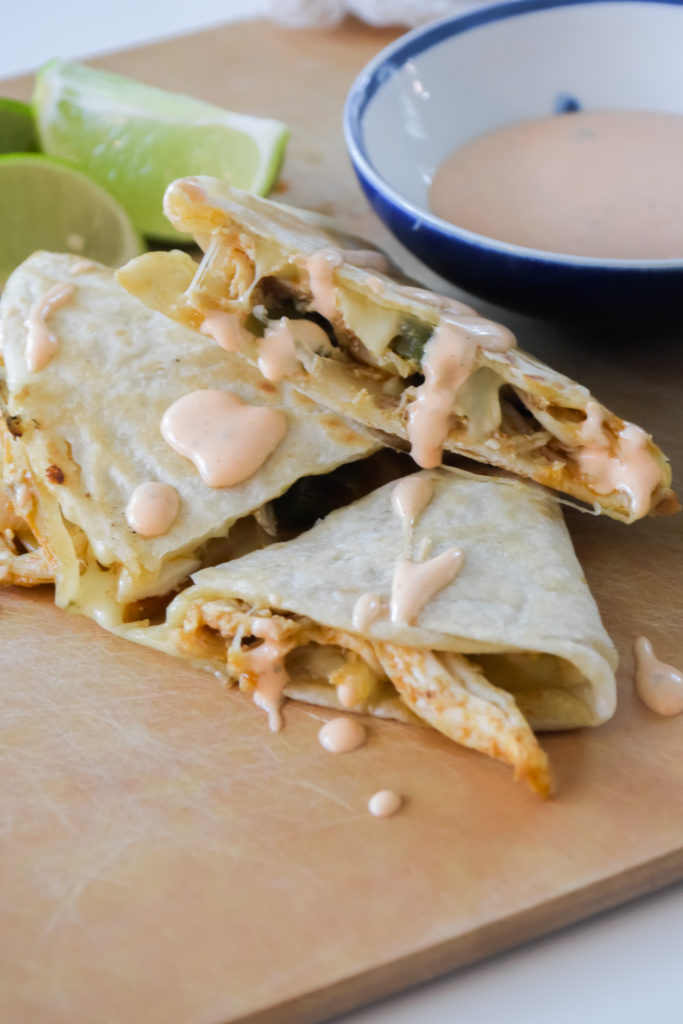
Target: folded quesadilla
(134, 451)
(448, 598)
(301, 300)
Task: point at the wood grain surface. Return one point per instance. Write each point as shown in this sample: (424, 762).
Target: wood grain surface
(163, 857)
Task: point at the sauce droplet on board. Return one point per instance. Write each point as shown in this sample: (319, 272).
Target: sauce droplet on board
(659, 686)
(226, 439)
(152, 509)
(342, 735)
(41, 344)
(416, 583)
(385, 803)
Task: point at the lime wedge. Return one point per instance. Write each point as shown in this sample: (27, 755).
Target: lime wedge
(17, 128)
(46, 204)
(134, 139)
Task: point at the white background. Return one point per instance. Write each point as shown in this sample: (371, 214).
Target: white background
(624, 967)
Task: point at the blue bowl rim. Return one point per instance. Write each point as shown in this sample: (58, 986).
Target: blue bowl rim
(393, 57)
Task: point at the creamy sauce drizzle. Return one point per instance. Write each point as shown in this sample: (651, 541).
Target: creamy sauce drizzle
(592, 431)
(409, 497)
(367, 608)
(449, 359)
(226, 439)
(385, 803)
(321, 266)
(342, 735)
(152, 509)
(277, 353)
(278, 357)
(659, 686)
(416, 583)
(630, 469)
(602, 183)
(267, 663)
(225, 329)
(82, 267)
(41, 345)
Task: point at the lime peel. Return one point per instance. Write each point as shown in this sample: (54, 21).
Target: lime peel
(17, 127)
(46, 204)
(135, 139)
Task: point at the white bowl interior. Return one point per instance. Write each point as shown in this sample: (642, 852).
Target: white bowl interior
(627, 55)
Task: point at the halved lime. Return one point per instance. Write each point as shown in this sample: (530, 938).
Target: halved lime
(17, 128)
(134, 139)
(46, 204)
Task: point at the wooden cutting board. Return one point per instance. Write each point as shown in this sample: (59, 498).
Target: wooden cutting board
(165, 858)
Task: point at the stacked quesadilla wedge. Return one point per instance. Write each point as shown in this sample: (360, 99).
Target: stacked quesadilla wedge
(80, 430)
(512, 643)
(299, 299)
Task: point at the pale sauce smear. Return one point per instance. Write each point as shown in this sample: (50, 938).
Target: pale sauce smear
(631, 468)
(367, 608)
(225, 329)
(409, 497)
(659, 686)
(226, 439)
(602, 183)
(321, 266)
(41, 344)
(152, 509)
(277, 351)
(416, 583)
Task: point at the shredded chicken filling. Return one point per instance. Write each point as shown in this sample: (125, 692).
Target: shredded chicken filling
(448, 691)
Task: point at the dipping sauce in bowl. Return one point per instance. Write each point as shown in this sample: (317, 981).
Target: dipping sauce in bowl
(439, 88)
(604, 183)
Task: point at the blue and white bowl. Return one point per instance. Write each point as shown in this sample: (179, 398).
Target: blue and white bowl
(441, 85)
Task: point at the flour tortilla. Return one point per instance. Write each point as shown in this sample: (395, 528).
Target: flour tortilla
(515, 642)
(514, 412)
(81, 434)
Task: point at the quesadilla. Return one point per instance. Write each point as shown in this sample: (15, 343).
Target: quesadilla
(301, 300)
(98, 396)
(447, 598)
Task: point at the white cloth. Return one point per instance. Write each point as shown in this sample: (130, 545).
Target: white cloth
(326, 13)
